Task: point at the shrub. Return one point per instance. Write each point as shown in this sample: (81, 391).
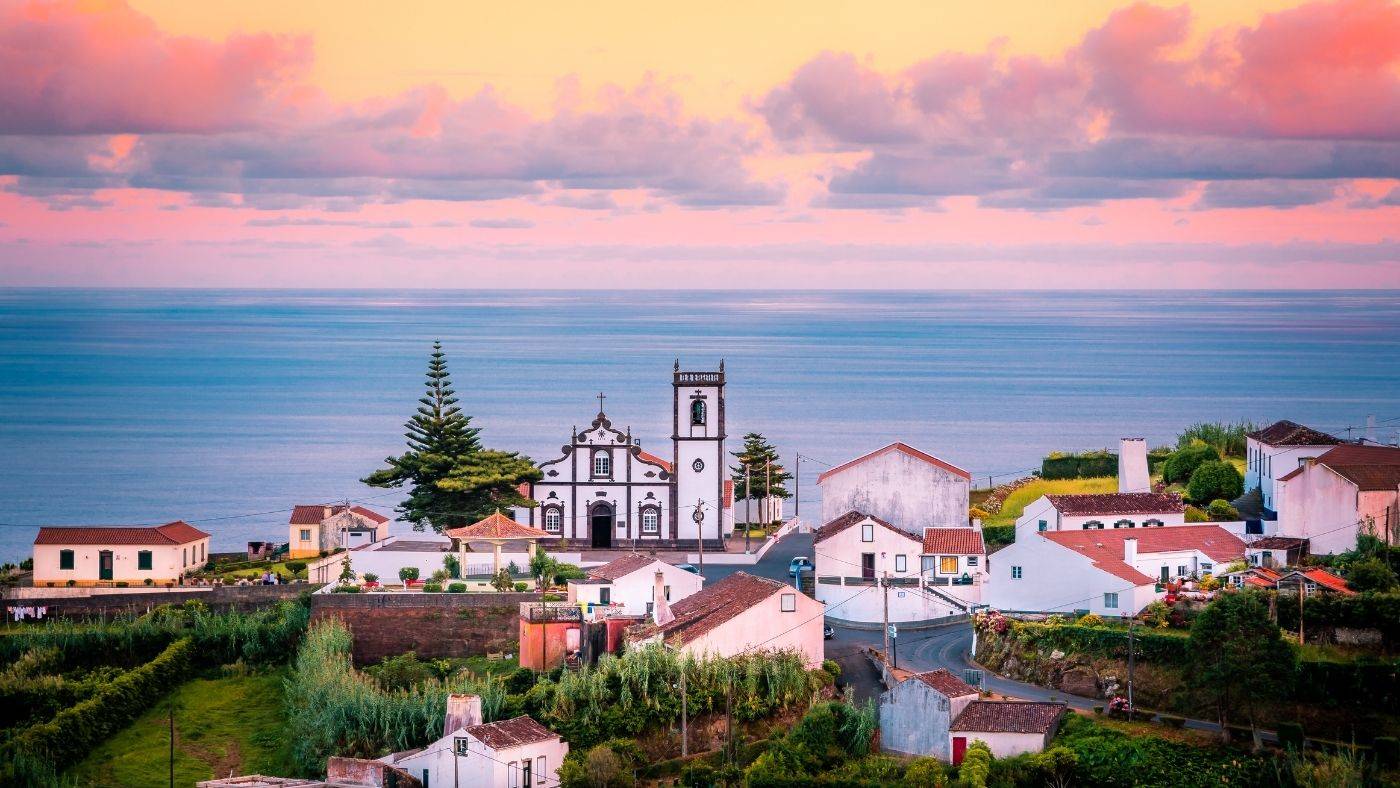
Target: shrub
(452, 565)
(1155, 614)
(148, 581)
(563, 572)
(346, 588)
(978, 513)
(408, 573)
(432, 588)
(1220, 509)
(925, 773)
(521, 587)
(501, 581)
(999, 534)
(602, 768)
(1090, 620)
(976, 765)
(71, 583)
(295, 566)
(1196, 515)
(1386, 750)
(1215, 479)
(833, 667)
(1098, 709)
(1184, 461)
(456, 588)
(1290, 735)
(371, 577)
(1370, 574)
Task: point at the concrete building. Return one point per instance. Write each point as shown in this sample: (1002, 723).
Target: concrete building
(316, 528)
(1009, 727)
(931, 577)
(899, 484)
(738, 614)
(1133, 473)
(111, 554)
(1109, 572)
(629, 584)
(1334, 497)
(1100, 511)
(917, 713)
(1278, 450)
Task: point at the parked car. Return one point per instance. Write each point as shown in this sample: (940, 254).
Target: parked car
(828, 632)
(799, 564)
(688, 568)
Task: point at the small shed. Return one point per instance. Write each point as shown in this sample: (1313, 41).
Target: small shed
(916, 713)
(1009, 727)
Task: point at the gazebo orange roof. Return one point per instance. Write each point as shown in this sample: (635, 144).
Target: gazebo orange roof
(497, 526)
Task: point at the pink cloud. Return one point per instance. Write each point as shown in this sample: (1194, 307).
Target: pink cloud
(100, 67)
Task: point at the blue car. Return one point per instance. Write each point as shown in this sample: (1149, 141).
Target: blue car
(798, 565)
(688, 568)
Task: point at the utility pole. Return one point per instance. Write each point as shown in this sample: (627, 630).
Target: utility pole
(699, 517)
(885, 584)
(748, 507)
(766, 500)
(685, 740)
(1131, 663)
(172, 743)
(1301, 588)
(797, 489)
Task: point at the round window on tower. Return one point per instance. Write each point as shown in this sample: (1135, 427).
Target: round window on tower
(698, 465)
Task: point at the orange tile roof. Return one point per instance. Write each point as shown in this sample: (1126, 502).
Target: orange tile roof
(1328, 580)
(315, 513)
(172, 533)
(1105, 548)
(902, 448)
(497, 526)
(964, 541)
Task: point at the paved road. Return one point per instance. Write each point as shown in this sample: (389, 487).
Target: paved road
(774, 564)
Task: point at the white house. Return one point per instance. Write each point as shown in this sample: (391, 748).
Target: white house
(514, 753)
(316, 528)
(901, 485)
(1332, 498)
(917, 713)
(1099, 511)
(629, 584)
(738, 614)
(107, 555)
(1009, 727)
(1109, 572)
(931, 577)
(1278, 450)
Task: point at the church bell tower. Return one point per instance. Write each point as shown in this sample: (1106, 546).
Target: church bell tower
(697, 437)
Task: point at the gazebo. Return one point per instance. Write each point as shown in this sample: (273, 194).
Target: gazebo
(496, 529)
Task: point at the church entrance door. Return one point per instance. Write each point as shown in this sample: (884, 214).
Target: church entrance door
(601, 525)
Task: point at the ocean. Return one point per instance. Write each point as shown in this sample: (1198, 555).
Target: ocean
(226, 407)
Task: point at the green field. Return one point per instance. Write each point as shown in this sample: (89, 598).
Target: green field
(233, 724)
(1016, 502)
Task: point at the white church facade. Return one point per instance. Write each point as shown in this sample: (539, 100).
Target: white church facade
(604, 492)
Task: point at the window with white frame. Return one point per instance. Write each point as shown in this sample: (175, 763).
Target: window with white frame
(306, 534)
(1093, 525)
(901, 564)
(789, 603)
(1110, 600)
(513, 769)
(867, 533)
(602, 463)
(1207, 568)
(1181, 571)
(539, 770)
(972, 560)
(1123, 524)
(1152, 523)
(651, 520)
(553, 519)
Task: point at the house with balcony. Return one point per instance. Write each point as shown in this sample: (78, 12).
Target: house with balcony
(934, 575)
(1276, 451)
(1109, 572)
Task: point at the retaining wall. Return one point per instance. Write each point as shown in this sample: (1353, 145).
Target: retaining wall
(435, 626)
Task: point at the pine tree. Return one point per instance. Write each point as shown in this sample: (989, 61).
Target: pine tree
(764, 465)
(452, 479)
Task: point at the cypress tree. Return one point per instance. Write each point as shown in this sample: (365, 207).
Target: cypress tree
(764, 465)
(452, 479)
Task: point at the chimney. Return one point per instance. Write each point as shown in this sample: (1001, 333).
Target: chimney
(1132, 466)
(463, 711)
(1130, 551)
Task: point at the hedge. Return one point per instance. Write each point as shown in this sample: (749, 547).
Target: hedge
(999, 534)
(1102, 641)
(1080, 466)
(1363, 611)
(1349, 683)
(31, 756)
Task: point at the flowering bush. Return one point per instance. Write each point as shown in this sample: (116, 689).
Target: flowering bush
(992, 621)
(1090, 620)
(1118, 707)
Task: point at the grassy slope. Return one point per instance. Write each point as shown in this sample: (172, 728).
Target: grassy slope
(1016, 502)
(234, 722)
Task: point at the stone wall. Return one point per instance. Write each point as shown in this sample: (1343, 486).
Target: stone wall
(219, 598)
(434, 626)
(1154, 686)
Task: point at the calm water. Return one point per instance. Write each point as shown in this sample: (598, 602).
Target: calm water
(145, 406)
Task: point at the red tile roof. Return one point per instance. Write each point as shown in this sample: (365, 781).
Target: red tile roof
(1117, 503)
(655, 460)
(173, 533)
(1325, 579)
(851, 518)
(963, 541)
(1370, 468)
(622, 567)
(515, 732)
(1278, 543)
(902, 448)
(712, 606)
(315, 513)
(945, 682)
(1105, 548)
(1289, 433)
(1258, 582)
(497, 526)
(1008, 716)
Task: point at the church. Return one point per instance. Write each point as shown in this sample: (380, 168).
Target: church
(604, 492)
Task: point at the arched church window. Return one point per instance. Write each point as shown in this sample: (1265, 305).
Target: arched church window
(697, 411)
(651, 520)
(602, 463)
(553, 519)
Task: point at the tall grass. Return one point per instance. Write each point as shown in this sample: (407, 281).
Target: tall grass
(334, 709)
(1228, 438)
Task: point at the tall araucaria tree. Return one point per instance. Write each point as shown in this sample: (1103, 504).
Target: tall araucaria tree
(766, 473)
(452, 479)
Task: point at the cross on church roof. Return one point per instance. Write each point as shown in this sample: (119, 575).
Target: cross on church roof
(600, 401)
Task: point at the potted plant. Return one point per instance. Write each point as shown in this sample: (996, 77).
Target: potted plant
(371, 580)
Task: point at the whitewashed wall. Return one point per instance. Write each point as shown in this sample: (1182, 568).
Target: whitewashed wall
(900, 489)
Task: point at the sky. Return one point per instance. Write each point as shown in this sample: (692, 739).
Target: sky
(616, 145)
